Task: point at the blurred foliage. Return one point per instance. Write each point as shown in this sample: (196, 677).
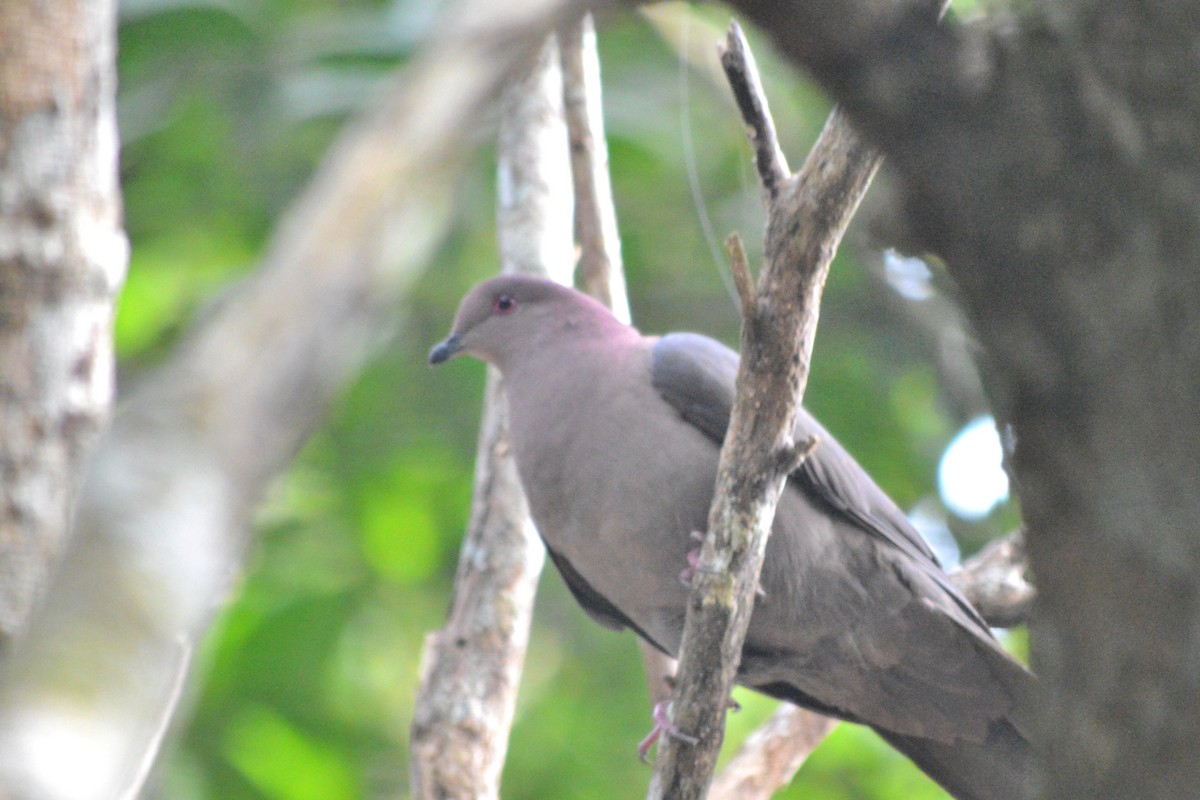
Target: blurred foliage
(309, 674)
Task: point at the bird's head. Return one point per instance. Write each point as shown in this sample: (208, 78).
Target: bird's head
(511, 314)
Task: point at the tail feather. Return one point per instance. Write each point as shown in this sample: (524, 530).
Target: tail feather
(999, 769)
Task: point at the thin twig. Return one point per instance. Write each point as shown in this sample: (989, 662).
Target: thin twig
(742, 73)
(600, 270)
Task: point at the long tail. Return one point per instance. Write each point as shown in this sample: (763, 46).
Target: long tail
(1000, 769)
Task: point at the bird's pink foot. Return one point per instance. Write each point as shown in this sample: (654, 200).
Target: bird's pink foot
(693, 560)
(662, 724)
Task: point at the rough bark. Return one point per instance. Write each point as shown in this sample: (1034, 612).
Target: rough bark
(1051, 160)
(807, 214)
(472, 667)
(62, 258)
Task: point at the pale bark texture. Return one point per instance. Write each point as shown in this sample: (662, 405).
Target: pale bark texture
(807, 213)
(62, 258)
(601, 273)
(472, 667)
(1053, 161)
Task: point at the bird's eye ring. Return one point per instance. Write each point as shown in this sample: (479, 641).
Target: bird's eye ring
(505, 304)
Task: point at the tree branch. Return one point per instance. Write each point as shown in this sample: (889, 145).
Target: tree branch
(472, 667)
(742, 73)
(771, 755)
(805, 224)
(600, 270)
(994, 581)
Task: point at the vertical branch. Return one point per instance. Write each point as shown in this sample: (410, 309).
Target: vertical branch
(472, 667)
(62, 258)
(806, 218)
(600, 269)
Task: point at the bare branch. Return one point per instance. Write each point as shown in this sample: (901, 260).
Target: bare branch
(739, 266)
(472, 667)
(771, 755)
(993, 580)
(805, 224)
(742, 73)
(600, 270)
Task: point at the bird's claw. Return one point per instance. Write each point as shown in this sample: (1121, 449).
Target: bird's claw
(662, 724)
(693, 560)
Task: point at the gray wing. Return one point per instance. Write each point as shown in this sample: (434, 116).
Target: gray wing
(696, 374)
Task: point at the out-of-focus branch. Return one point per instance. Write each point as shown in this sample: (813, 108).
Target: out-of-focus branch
(62, 258)
(994, 581)
(472, 667)
(770, 756)
(600, 270)
(163, 515)
(807, 214)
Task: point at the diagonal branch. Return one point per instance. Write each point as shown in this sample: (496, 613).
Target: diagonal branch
(600, 270)
(771, 755)
(805, 223)
(742, 73)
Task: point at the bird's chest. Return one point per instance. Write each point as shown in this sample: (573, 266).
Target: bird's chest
(600, 461)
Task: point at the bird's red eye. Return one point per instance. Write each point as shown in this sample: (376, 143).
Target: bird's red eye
(504, 304)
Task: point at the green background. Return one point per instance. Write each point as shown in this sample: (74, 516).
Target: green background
(305, 687)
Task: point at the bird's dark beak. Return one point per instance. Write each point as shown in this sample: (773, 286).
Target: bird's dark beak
(443, 350)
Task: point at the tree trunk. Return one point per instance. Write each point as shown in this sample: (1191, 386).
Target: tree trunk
(62, 258)
(1053, 161)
